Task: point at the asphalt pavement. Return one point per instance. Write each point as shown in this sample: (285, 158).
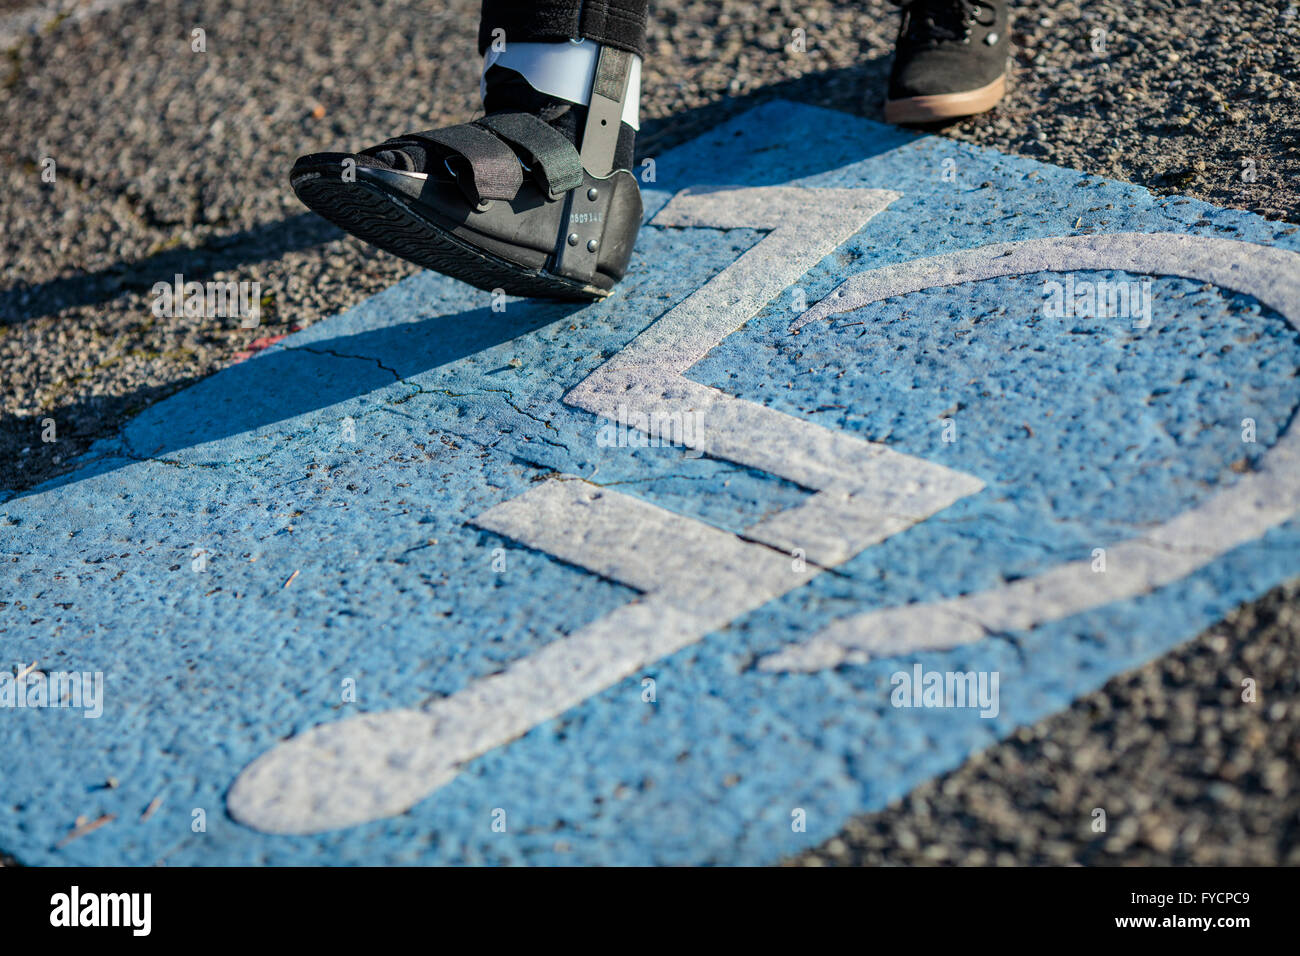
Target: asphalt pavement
(172, 160)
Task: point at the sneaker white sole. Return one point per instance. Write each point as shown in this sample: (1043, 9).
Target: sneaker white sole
(943, 106)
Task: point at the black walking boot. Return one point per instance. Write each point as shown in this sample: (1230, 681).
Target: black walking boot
(535, 198)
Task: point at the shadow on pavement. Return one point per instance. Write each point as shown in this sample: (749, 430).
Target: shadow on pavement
(274, 387)
(849, 89)
(279, 384)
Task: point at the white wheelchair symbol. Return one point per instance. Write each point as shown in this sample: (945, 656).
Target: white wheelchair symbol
(381, 764)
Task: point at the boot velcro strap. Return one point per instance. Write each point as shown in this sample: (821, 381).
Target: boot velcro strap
(493, 167)
(551, 157)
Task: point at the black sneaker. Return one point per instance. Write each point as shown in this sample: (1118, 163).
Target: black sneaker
(951, 60)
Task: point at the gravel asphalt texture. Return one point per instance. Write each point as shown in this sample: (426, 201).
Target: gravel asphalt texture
(174, 161)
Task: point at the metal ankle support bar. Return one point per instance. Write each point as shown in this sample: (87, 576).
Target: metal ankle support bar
(605, 110)
(577, 248)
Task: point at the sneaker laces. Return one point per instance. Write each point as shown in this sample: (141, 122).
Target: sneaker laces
(937, 21)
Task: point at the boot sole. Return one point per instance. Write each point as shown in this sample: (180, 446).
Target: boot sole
(945, 106)
(386, 221)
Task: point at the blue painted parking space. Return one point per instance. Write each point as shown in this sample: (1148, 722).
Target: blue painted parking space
(441, 581)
